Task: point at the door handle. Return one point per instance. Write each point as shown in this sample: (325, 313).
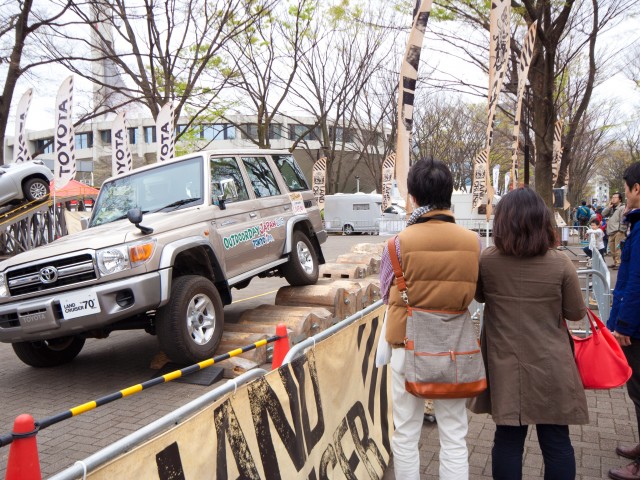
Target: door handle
(287, 207)
(253, 214)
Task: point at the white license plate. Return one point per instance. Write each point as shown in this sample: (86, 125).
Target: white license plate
(79, 304)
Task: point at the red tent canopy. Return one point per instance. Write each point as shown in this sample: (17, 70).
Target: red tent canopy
(75, 189)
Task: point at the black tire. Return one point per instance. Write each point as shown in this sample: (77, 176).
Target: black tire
(49, 353)
(347, 229)
(36, 189)
(189, 327)
(302, 267)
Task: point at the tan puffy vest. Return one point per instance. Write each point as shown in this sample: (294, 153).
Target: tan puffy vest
(440, 264)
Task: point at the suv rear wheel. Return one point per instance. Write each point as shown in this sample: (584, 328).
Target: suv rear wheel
(302, 267)
(49, 353)
(35, 189)
(189, 327)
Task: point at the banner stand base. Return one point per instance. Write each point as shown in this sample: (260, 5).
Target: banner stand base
(206, 377)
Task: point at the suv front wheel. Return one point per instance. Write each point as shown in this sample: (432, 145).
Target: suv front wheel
(302, 267)
(189, 327)
(35, 189)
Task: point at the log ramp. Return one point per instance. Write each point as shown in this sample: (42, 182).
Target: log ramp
(344, 288)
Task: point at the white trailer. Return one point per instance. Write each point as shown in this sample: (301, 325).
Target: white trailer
(472, 218)
(353, 212)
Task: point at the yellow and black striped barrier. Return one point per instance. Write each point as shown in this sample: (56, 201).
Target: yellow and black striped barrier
(127, 392)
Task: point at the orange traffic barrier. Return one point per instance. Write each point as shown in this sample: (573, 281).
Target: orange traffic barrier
(281, 346)
(23, 463)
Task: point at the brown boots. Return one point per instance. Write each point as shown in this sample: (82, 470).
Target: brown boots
(631, 471)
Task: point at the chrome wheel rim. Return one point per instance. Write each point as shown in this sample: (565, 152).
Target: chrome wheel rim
(201, 319)
(38, 190)
(305, 258)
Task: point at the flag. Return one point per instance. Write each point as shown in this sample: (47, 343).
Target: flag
(165, 135)
(388, 167)
(20, 148)
(523, 73)
(496, 177)
(319, 179)
(507, 178)
(120, 152)
(557, 151)
(406, 93)
(499, 51)
(64, 142)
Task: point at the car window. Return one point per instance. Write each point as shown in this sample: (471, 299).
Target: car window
(261, 177)
(291, 172)
(227, 180)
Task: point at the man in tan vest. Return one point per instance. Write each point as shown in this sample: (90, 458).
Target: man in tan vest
(440, 264)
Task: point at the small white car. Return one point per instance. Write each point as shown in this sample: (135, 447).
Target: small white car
(24, 181)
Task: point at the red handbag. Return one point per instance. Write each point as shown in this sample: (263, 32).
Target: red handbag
(599, 357)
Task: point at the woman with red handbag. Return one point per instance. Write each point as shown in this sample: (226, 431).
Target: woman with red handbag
(529, 289)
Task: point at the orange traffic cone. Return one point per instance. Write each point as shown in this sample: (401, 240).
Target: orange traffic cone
(280, 346)
(23, 463)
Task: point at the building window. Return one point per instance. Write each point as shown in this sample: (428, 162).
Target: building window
(150, 134)
(275, 131)
(45, 145)
(180, 128)
(105, 137)
(133, 135)
(218, 131)
(84, 140)
(307, 132)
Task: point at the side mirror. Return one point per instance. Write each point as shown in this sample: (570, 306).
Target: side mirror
(135, 216)
(222, 199)
(84, 223)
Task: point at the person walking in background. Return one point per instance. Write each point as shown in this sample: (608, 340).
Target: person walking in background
(583, 214)
(596, 240)
(440, 264)
(624, 320)
(528, 351)
(616, 227)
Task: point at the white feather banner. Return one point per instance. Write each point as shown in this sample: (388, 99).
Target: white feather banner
(64, 139)
(388, 167)
(523, 73)
(120, 152)
(165, 134)
(319, 180)
(406, 93)
(20, 148)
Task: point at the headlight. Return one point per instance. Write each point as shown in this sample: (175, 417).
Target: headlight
(117, 259)
(4, 291)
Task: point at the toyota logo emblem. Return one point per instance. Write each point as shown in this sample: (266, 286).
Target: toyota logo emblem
(48, 274)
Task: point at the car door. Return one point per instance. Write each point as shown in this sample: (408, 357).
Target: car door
(274, 203)
(237, 223)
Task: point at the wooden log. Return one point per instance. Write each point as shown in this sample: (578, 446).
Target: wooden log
(369, 259)
(343, 270)
(232, 340)
(337, 300)
(353, 287)
(375, 248)
(302, 321)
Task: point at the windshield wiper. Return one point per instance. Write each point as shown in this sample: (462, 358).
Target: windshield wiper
(177, 203)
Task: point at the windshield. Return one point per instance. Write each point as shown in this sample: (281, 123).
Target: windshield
(165, 188)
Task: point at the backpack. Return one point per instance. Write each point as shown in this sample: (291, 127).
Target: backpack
(583, 213)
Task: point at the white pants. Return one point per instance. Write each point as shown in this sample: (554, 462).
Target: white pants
(408, 416)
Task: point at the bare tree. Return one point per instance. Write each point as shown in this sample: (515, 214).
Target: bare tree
(268, 55)
(156, 52)
(20, 22)
(566, 31)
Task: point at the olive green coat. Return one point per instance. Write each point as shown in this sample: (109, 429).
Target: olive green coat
(526, 346)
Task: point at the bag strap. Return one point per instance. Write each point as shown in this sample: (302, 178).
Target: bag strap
(596, 325)
(397, 270)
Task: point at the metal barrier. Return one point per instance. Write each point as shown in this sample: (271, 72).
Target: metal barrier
(155, 428)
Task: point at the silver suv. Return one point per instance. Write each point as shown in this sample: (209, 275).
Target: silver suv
(27, 180)
(163, 248)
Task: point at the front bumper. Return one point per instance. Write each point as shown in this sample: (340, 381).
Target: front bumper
(42, 318)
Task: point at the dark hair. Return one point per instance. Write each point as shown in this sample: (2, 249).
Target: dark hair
(594, 220)
(583, 203)
(631, 175)
(431, 183)
(522, 226)
(620, 196)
